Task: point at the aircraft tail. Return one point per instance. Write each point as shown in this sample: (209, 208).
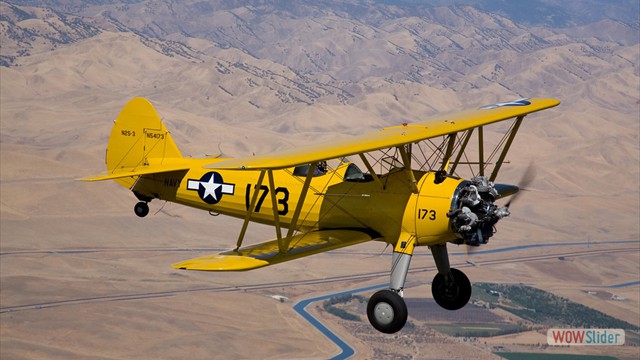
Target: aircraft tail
(139, 138)
(139, 145)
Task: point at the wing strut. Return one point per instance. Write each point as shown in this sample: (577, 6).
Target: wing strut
(371, 171)
(296, 214)
(276, 215)
(254, 200)
(503, 147)
(283, 243)
(447, 156)
(506, 147)
(406, 159)
(461, 151)
(481, 151)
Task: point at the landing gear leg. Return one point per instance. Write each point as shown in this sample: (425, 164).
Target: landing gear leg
(386, 310)
(451, 288)
(141, 209)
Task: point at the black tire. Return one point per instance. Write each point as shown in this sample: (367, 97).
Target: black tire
(387, 311)
(455, 296)
(141, 209)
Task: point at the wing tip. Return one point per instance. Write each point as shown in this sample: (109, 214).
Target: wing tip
(221, 263)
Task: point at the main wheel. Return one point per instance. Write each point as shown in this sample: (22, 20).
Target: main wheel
(387, 311)
(141, 209)
(452, 296)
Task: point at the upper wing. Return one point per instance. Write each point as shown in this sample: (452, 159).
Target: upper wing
(390, 137)
(267, 253)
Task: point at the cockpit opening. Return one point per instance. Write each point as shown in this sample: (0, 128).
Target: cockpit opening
(318, 170)
(354, 174)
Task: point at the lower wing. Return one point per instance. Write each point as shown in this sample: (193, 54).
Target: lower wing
(268, 253)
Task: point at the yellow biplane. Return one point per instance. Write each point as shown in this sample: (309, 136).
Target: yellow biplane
(408, 195)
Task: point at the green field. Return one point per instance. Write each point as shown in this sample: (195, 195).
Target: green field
(476, 329)
(542, 307)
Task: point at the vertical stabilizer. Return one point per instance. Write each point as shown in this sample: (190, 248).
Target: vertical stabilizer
(137, 137)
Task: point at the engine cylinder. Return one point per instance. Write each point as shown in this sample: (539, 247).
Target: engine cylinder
(473, 212)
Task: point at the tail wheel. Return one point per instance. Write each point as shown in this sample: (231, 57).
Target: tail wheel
(141, 209)
(453, 294)
(387, 311)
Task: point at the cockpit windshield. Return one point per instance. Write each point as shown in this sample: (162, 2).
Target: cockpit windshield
(318, 170)
(354, 173)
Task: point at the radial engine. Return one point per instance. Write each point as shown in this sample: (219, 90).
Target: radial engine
(474, 212)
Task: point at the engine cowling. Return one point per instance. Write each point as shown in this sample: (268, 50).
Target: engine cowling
(458, 211)
(429, 208)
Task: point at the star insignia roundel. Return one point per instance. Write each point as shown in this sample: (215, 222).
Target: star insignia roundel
(519, 102)
(210, 187)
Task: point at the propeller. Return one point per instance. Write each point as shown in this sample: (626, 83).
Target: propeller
(505, 190)
(526, 179)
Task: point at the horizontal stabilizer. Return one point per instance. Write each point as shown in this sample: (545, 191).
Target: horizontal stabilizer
(268, 253)
(137, 171)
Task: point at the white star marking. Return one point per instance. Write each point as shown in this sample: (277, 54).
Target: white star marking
(210, 188)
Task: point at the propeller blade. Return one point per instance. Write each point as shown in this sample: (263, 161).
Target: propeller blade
(469, 250)
(526, 179)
